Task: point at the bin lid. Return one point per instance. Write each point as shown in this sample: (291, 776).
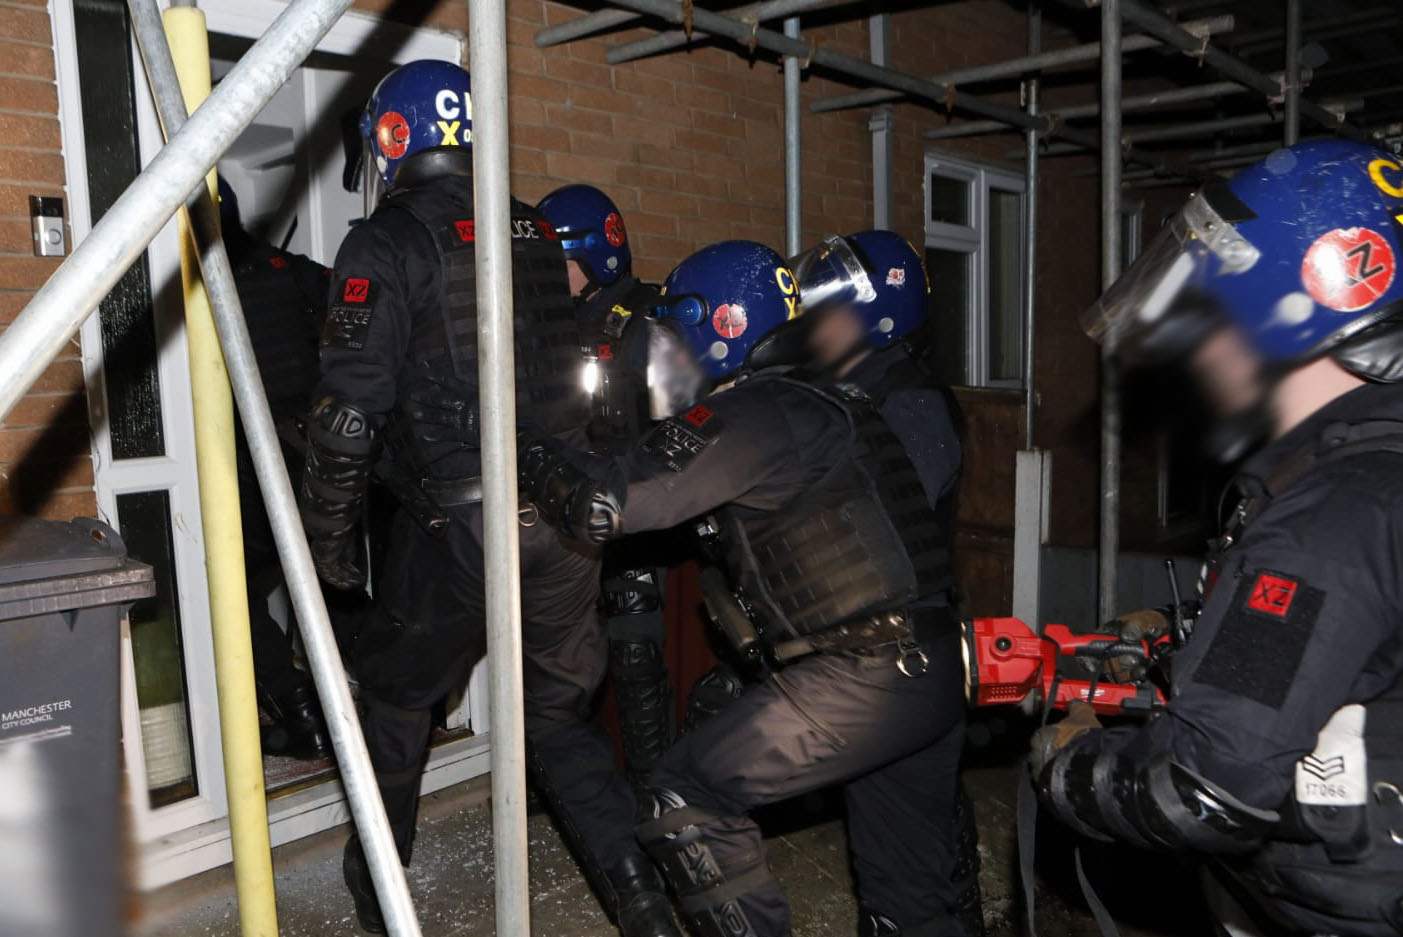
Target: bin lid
(32, 549)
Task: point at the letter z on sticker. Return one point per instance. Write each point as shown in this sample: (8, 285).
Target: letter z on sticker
(677, 441)
(348, 319)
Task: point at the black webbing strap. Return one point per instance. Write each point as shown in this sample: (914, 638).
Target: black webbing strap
(1026, 819)
(724, 891)
(672, 822)
(1103, 918)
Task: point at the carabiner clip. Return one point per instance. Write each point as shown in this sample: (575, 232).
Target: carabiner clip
(912, 661)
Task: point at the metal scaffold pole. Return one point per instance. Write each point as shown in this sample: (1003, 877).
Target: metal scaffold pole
(46, 324)
(487, 38)
(1292, 122)
(1109, 542)
(1030, 234)
(357, 775)
(792, 114)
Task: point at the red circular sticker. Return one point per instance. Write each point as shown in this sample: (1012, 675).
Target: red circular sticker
(1348, 269)
(729, 320)
(392, 133)
(614, 229)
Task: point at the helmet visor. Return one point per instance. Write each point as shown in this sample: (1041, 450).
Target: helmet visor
(372, 185)
(675, 379)
(831, 273)
(1139, 304)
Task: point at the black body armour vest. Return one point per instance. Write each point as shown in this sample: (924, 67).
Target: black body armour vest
(861, 541)
(283, 324)
(442, 373)
(1339, 855)
(616, 346)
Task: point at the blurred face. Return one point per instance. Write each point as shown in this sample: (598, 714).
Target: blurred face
(834, 333)
(1228, 372)
(579, 282)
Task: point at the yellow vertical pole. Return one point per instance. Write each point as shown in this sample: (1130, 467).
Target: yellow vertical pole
(224, 545)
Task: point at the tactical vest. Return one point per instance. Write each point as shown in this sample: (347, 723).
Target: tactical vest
(1340, 851)
(861, 541)
(616, 347)
(283, 324)
(442, 370)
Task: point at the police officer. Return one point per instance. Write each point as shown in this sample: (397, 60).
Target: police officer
(399, 377)
(834, 553)
(283, 296)
(1280, 756)
(865, 302)
(611, 304)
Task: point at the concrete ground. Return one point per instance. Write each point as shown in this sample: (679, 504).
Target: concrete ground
(451, 876)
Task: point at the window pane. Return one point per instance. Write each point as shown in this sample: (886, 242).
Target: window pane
(1005, 286)
(109, 141)
(949, 200)
(949, 313)
(144, 522)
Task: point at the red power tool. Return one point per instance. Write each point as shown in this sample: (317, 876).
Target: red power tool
(1007, 663)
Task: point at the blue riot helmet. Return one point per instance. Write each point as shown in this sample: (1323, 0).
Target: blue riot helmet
(1299, 253)
(419, 108)
(876, 274)
(591, 231)
(724, 298)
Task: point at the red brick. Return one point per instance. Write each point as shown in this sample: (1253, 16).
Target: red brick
(699, 143)
(669, 203)
(720, 80)
(526, 111)
(25, 273)
(705, 185)
(604, 145)
(705, 99)
(574, 118)
(651, 178)
(549, 139)
(559, 65)
(29, 130)
(589, 169)
(655, 89)
(17, 58)
(722, 124)
(648, 109)
(26, 24)
(22, 93)
(525, 60)
(41, 166)
(57, 505)
(539, 87)
(664, 156)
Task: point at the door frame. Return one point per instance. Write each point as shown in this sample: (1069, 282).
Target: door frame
(191, 835)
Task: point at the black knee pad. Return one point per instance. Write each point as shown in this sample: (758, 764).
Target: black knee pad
(710, 890)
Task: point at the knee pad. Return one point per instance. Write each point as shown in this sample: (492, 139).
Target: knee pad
(716, 690)
(710, 889)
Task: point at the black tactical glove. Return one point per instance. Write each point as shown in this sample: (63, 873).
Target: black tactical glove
(341, 449)
(446, 407)
(567, 497)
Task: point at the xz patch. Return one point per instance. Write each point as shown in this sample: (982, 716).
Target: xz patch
(677, 441)
(1262, 638)
(348, 319)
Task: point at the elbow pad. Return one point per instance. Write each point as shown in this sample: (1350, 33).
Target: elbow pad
(1159, 805)
(341, 451)
(567, 497)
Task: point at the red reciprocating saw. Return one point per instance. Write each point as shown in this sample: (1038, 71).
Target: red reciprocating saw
(1007, 663)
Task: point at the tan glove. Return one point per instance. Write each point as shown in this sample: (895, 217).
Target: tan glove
(1143, 625)
(1049, 740)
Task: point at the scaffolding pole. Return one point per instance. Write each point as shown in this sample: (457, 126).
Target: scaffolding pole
(357, 775)
(1211, 91)
(792, 113)
(487, 50)
(880, 124)
(1109, 542)
(675, 12)
(676, 38)
(1291, 125)
(1145, 17)
(1026, 65)
(1030, 232)
(45, 325)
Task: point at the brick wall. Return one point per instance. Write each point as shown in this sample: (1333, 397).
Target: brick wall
(45, 461)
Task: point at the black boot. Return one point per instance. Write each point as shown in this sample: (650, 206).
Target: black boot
(872, 924)
(642, 908)
(298, 730)
(356, 871)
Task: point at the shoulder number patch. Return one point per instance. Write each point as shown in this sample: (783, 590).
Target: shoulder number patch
(1272, 595)
(348, 319)
(677, 441)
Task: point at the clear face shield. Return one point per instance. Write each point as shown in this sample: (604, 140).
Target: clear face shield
(1144, 313)
(675, 379)
(831, 273)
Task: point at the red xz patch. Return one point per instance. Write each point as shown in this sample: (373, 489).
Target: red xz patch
(357, 290)
(277, 263)
(1272, 594)
(698, 415)
(467, 231)
(606, 352)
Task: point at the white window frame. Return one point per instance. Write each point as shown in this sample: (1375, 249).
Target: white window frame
(973, 239)
(186, 837)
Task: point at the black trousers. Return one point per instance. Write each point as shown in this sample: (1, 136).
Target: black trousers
(893, 740)
(428, 630)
